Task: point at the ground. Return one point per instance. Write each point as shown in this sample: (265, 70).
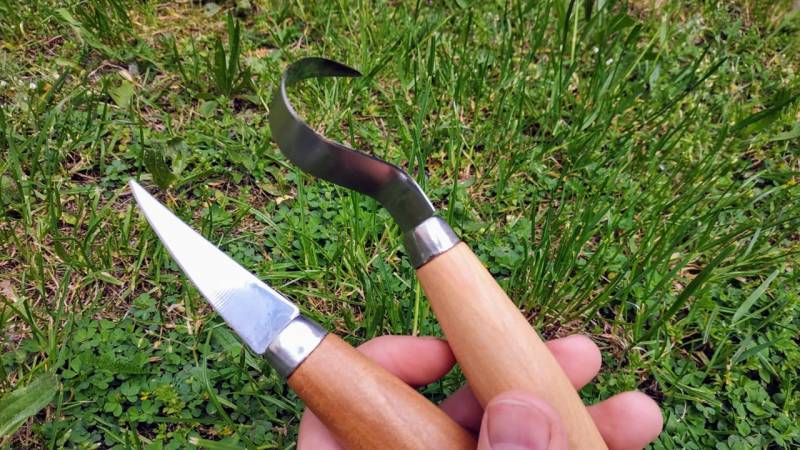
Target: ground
(625, 170)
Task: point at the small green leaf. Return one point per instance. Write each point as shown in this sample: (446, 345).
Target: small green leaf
(122, 94)
(158, 168)
(208, 108)
(22, 403)
(214, 445)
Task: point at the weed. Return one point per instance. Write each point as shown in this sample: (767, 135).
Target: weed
(221, 66)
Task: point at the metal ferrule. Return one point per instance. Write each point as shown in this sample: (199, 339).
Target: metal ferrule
(293, 345)
(430, 238)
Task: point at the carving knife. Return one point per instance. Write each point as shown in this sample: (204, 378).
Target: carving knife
(363, 405)
(494, 344)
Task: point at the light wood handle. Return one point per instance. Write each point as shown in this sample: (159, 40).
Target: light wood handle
(495, 345)
(366, 407)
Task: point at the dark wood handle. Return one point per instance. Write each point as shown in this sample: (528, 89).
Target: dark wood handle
(495, 345)
(366, 407)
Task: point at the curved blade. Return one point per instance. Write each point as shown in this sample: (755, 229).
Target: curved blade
(256, 312)
(337, 163)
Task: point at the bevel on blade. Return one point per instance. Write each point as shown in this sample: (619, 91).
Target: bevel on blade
(256, 312)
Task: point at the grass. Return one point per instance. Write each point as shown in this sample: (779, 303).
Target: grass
(626, 170)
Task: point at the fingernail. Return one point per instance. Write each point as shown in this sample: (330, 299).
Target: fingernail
(516, 425)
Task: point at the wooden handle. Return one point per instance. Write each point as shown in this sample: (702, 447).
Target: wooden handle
(495, 346)
(366, 407)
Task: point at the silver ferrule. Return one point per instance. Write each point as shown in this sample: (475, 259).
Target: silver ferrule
(430, 238)
(293, 345)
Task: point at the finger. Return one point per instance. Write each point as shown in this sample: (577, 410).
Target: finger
(519, 420)
(628, 421)
(577, 355)
(463, 407)
(313, 435)
(415, 360)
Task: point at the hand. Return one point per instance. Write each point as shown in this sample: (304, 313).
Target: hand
(512, 420)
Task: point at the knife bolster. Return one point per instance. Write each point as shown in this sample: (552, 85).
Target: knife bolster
(429, 239)
(293, 345)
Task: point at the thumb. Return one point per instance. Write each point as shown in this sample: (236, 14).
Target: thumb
(516, 420)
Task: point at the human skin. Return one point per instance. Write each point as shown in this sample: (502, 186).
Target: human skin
(627, 421)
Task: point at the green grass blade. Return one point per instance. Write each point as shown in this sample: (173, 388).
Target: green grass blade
(758, 121)
(688, 291)
(20, 404)
(744, 308)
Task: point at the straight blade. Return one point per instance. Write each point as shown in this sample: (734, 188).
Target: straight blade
(255, 311)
